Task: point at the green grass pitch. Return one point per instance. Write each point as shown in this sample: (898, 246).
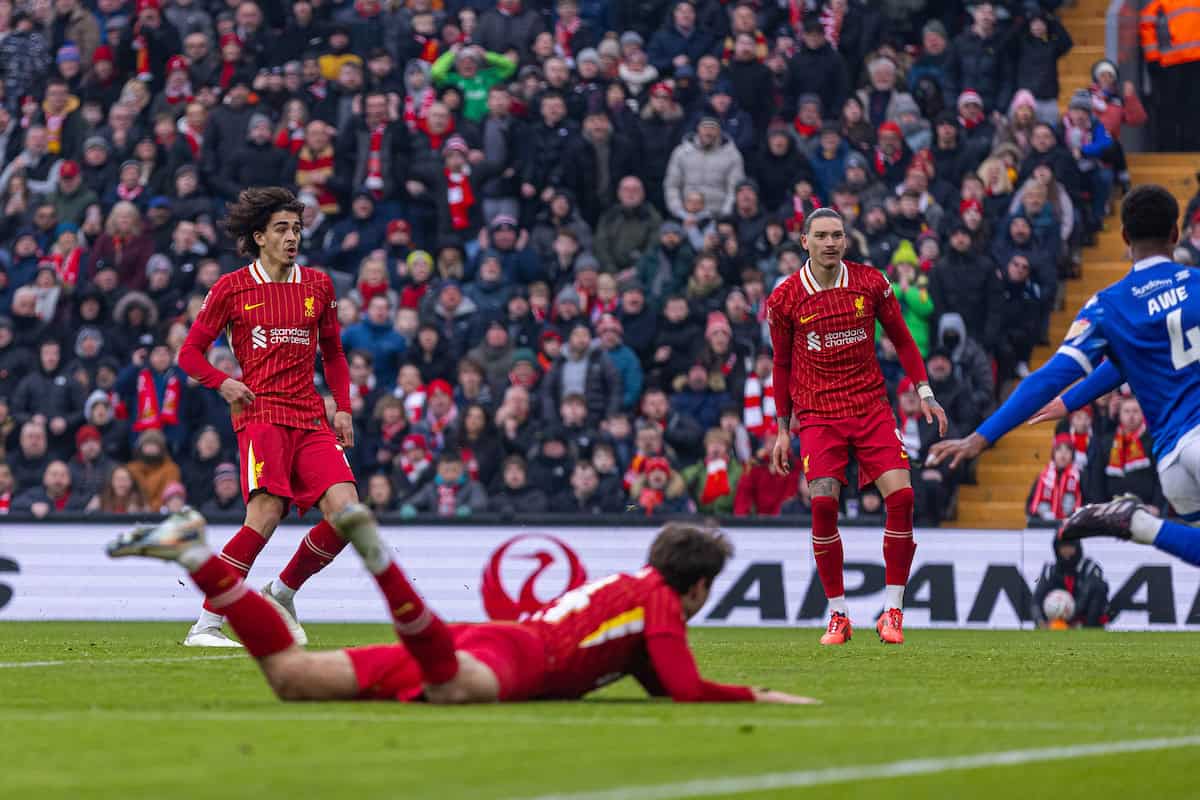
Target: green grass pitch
(132, 714)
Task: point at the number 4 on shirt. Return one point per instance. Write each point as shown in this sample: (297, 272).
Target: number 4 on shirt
(1183, 353)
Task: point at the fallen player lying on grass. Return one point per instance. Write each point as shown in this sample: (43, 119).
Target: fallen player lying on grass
(617, 626)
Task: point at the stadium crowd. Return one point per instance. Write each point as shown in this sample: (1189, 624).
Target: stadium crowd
(552, 225)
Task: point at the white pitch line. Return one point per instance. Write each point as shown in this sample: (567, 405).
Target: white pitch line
(77, 662)
(718, 787)
(442, 714)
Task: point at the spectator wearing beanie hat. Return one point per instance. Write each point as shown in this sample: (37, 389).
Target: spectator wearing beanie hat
(90, 465)
(227, 493)
(174, 498)
(100, 84)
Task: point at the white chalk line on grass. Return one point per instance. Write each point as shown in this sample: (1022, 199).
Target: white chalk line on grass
(719, 787)
(84, 662)
(500, 716)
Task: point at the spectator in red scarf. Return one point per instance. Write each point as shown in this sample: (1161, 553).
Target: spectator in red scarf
(152, 387)
(451, 493)
(1122, 462)
(713, 482)
(1058, 491)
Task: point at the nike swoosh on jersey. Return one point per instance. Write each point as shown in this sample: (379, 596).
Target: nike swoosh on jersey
(808, 319)
(251, 307)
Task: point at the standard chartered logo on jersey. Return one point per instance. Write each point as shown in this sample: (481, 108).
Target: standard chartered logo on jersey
(260, 337)
(836, 339)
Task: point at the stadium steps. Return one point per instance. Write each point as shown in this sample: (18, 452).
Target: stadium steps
(1005, 473)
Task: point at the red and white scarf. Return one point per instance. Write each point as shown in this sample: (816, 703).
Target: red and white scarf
(67, 267)
(194, 138)
(375, 159)
(758, 405)
(716, 480)
(130, 193)
(461, 198)
(414, 114)
(5, 502)
(414, 469)
(563, 33)
(1127, 453)
(414, 402)
(150, 413)
(447, 498)
(1060, 491)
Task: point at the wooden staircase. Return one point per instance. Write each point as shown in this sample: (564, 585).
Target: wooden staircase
(1006, 472)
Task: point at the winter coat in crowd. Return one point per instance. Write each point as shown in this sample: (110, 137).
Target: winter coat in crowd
(959, 282)
(602, 387)
(714, 172)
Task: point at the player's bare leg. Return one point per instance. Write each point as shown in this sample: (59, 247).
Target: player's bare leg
(424, 634)
(263, 514)
(293, 673)
(898, 548)
(828, 553)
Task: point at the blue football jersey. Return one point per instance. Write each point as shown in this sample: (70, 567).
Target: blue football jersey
(1148, 323)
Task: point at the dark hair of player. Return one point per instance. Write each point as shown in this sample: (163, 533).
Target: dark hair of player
(684, 554)
(821, 213)
(1149, 213)
(253, 211)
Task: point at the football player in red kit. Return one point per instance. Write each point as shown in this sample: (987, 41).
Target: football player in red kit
(591, 636)
(830, 389)
(274, 314)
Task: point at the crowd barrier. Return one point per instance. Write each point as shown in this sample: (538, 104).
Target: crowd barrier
(472, 572)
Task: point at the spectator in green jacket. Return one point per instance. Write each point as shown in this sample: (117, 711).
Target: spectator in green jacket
(712, 483)
(911, 288)
(473, 71)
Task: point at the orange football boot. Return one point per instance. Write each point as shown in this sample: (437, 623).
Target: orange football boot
(839, 630)
(891, 626)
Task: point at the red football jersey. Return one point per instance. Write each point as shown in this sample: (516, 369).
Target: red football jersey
(617, 626)
(274, 329)
(830, 337)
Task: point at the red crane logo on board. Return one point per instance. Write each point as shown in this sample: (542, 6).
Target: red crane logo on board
(544, 560)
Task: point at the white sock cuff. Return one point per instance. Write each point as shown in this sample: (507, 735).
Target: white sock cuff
(1145, 527)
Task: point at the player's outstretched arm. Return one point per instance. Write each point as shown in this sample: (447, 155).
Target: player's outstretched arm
(1032, 394)
(1103, 380)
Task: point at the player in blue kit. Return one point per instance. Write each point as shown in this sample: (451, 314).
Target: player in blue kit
(1147, 326)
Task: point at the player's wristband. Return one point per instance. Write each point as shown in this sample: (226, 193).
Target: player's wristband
(925, 392)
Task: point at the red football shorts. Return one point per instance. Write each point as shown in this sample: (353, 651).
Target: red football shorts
(825, 444)
(292, 463)
(513, 653)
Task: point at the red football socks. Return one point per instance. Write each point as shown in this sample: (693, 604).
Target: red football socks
(827, 545)
(898, 544)
(239, 553)
(252, 617)
(317, 550)
(424, 634)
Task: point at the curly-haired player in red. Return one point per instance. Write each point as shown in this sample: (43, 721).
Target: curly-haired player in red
(275, 313)
(822, 322)
(591, 636)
